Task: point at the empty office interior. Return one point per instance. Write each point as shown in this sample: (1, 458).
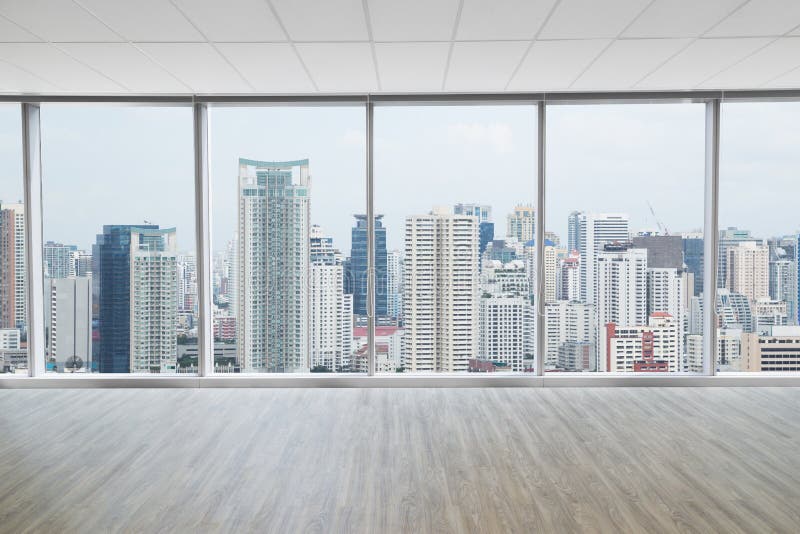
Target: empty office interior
(360, 266)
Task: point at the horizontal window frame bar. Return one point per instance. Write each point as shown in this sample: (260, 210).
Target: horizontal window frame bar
(484, 98)
(394, 381)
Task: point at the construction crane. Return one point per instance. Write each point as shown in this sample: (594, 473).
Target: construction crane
(661, 228)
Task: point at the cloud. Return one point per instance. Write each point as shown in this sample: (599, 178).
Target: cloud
(353, 138)
(498, 136)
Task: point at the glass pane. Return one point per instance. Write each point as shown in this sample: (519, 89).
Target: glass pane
(625, 190)
(13, 284)
(289, 196)
(455, 188)
(119, 251)
(758, 248)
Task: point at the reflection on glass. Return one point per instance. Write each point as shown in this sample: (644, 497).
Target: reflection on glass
(454, 187)
(625, 185)
(757, 299)
(13, 284)
(119, 252)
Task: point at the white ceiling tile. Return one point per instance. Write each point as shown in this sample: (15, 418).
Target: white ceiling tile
(680, 18)
(123, 63)
(198, 65)
(760, 17)
(483, 66)
(340, 66)
(46, 61)
(57, 20)
(552, 65)
(269, 67)
(412, 20)
(233, 20)
(144, 20)
(502, 19)
(11, 33)
(323, 20)
(626, 62)
(790, 80)
(14, 79)
(411, 66)
(585, 19)
(702, 59)
(770, 62)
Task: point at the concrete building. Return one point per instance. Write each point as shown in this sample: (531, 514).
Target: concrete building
(666, 292)
(644, 348)
(273, 331)
(777, 352)
(728, 351)
(485, 225)
(570, 336)
(13, 285)
(68, 320)
(521, 223)
(620, 293)
(663, 251)
(440, 299)
(394, 284)
(568, 283)
(58, 260)
(595, 230)
(783, 284)
(506, 315)
(768, 313)
(747, 270)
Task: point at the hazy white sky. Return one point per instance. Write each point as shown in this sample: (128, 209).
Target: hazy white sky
(124, 165)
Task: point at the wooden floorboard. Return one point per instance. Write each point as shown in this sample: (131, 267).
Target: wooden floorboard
(400, 460)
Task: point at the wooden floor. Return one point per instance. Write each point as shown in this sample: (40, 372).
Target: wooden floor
(400, 460)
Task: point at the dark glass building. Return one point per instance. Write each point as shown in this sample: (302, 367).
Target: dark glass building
(693, 258)
(111, 257)
(357, 275)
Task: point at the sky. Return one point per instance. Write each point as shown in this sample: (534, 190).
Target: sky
(106, 164)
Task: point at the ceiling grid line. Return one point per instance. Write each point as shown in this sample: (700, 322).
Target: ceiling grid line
(690, 43)
(452, 43)
(530, 45)
(610, 44)
(368, 22)
(214, 46)
(292, 44)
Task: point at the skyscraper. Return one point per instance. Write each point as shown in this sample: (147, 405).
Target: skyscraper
(573, 231)
(58, 260)
(358, 266)
(522, 223)
(747, 270)
(594, 231)
(13, 298)
(68, 318)
(273, 331)
(693, 252)
(485, 225)
(440, 291)
(394, 284)
(666, 293)
(729, 237)
(331, 308)
(505, 315)
(135, 274)
(621, 296)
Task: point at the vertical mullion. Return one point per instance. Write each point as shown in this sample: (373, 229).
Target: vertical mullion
(711, 237)
(540, 222)
(34, 266)
(370, 246)
(202, 213)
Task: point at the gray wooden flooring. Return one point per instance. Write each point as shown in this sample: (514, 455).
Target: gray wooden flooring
(400, 460)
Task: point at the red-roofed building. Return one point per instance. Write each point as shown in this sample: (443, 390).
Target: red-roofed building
(644, 349)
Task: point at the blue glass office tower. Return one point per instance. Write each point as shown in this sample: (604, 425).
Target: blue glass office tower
(111, 257)
(357, 272)
(693, 258)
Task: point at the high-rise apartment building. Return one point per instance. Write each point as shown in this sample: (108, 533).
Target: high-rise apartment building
(505, 315)
(568, 283)
(666, 293)
(783, 284)
(730, 237)
(620, 293)
(68, 319)
(747, 270)
(394, 284)
(273, 332)
(58, 260)
(693, 253)
(485, 225)
(331, 308)
(595, 230)
(644, 348)
(573, 230)
(13, 297)
(521, 224)
(187, 283)
(81, 261)
(570, 335)
(440, 293)
(136, 278)
(358, 266)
